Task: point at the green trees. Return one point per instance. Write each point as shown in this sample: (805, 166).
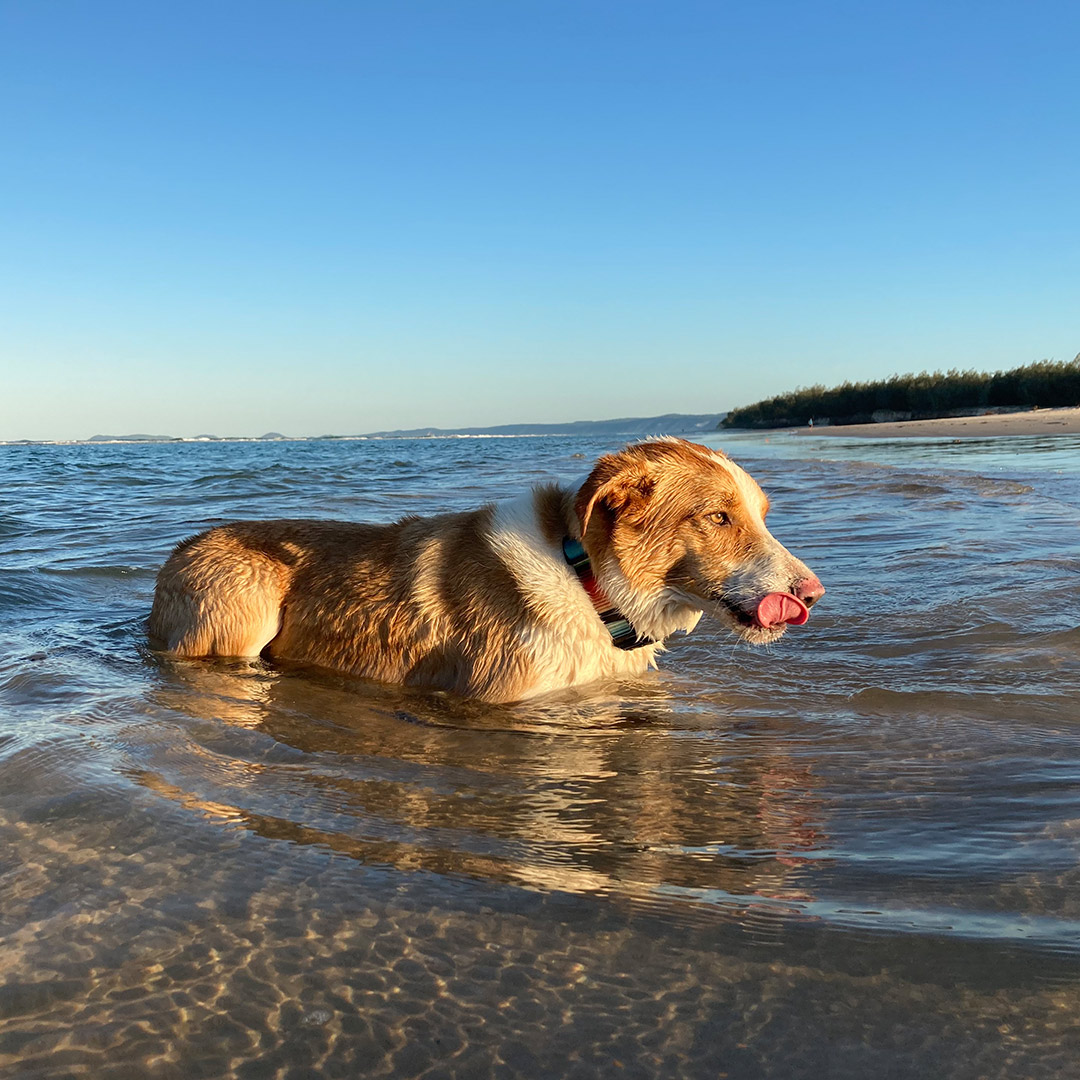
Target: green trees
(1047, 383)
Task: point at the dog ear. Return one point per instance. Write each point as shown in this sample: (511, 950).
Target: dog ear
(618, 481)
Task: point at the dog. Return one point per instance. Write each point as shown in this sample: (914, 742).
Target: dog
(560, 587)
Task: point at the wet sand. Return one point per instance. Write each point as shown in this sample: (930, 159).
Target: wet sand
(1034, 422)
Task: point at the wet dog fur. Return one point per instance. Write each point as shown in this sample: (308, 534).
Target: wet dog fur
(483, 603)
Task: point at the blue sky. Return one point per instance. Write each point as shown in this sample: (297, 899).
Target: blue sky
(312, 217)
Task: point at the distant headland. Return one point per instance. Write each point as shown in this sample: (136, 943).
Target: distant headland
(628, 426)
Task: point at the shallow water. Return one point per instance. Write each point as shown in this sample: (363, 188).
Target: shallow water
(853, 853)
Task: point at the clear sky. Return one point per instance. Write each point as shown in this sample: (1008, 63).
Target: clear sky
(312, 216)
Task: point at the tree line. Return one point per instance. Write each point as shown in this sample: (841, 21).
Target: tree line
(926, 396)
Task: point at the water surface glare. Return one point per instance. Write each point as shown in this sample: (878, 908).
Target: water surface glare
(852, 853)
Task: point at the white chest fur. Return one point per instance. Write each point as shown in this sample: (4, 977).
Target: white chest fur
(567, 643)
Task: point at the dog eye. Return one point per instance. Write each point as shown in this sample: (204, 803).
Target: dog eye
(719, 518)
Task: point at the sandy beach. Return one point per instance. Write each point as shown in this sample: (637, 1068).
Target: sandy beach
(1034, 422)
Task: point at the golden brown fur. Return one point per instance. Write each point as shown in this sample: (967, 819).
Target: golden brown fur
(422, 602)
(653, 500)
(481, 603)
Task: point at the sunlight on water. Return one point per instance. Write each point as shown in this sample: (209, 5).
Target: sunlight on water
(866, 829)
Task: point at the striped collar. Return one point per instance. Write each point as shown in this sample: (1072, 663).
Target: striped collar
(623, 634)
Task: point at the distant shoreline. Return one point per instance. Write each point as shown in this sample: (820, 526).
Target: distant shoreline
(629, 427)
(1064, 421)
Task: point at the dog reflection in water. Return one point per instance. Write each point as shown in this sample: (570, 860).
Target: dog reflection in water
(611, 801)
(561, 587)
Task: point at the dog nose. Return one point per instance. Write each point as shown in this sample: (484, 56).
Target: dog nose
(809, 590)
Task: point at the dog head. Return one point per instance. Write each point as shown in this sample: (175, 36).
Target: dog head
(674, 529)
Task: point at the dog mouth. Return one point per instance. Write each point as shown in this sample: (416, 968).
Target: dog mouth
(746, 625)
(764, 618)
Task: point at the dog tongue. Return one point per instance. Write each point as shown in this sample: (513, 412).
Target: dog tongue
(777, 607)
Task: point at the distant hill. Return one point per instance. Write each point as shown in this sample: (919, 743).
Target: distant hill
(132, 438)
(637, 426)
(631, 427)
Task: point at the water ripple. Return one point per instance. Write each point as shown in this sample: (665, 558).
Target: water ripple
(253, 855)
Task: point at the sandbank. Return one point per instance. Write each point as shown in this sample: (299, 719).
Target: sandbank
(1032, 422)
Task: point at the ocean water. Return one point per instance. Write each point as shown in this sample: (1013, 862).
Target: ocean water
(854, 853)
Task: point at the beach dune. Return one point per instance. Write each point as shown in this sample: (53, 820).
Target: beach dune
(1032, 422)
